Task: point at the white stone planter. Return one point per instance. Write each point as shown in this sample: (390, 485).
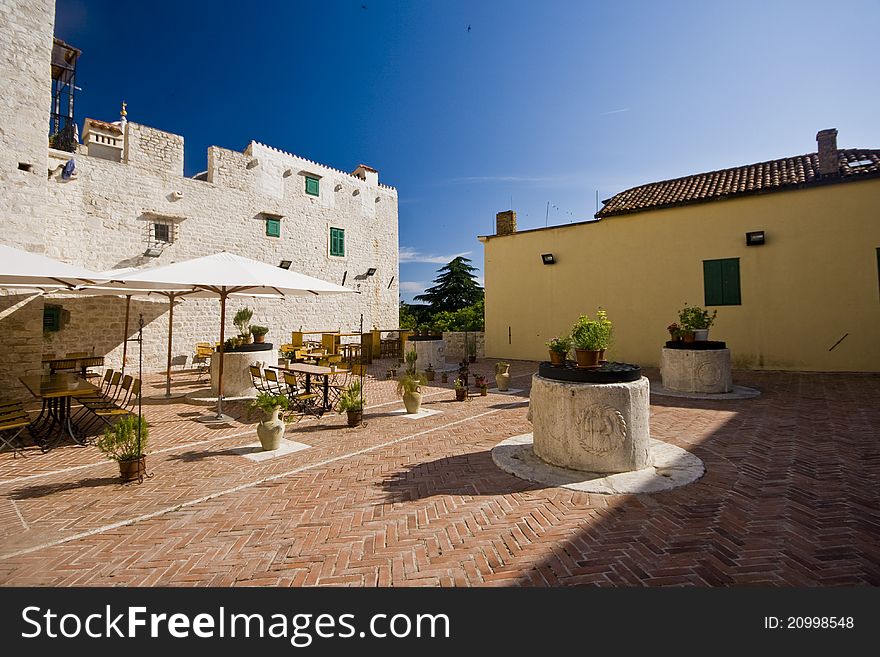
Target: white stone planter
(237, 380)
(593, 427)
(696, 370)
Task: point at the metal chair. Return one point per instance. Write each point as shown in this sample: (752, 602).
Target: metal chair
(301, 403)
(273, 385)
(202, 358)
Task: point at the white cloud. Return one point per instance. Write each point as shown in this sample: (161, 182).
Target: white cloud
(413, 286)
(617, 111)
(409, 254)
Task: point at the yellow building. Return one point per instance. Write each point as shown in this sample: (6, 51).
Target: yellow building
(787, 252)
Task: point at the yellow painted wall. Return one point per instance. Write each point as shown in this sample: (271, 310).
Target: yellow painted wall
(814, 280)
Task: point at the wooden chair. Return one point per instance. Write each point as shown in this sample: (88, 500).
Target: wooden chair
(63, 365)
(301, 403)
(13, 420)
(202, 358)
(273, 385)
(125, 406)
(106, 393)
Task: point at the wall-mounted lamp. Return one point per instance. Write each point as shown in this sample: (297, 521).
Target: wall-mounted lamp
(371, 271)
(548, 259)
(285, 264)
(755, 238)
(153, 252)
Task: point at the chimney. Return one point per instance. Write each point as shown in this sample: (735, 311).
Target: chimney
(828, 163)
(505, 223)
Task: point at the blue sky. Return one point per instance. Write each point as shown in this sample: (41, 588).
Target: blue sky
(536, 103)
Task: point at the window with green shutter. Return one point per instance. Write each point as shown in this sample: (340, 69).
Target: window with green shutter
(337, 242)
(52, 318)
(721, 282)
(273, 227)
(312, 186)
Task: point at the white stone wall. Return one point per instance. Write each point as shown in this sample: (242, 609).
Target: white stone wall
(456, 348)
(99, 219)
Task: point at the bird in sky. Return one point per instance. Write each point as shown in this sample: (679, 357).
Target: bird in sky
(469, 28)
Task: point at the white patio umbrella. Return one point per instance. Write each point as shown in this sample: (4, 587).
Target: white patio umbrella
(223, 274)
(23, 269)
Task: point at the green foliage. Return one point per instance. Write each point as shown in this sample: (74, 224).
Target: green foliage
(560, 345)
(267, 402)
(454, 288)
(501, 367)
(460, 384)
(120, 442)
(694, 317)
(242, 321)
(470, 318)
(257, 331)
(408, 317)
(592, 334)
(411, 357)
(410, 383)
(350, 399)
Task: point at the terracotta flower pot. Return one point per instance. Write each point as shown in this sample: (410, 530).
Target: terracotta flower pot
(259, 339)
(556, 358)
(460, 394)
(587, 358)
(687, 336)
(133, 469)
(484, 390)
(355, 418)
(429, 375)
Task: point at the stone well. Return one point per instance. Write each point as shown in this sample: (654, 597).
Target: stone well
(429, 351)
(592, 427)
(237, 380)
(696, 370)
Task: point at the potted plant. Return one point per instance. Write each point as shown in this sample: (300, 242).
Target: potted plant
(429, 373)
(411, 357)
(259, 332)
(121, 443)
(242, 321)
(698, 320)
(480, 382)
(502, 375)
(591, 337)
(444, 377)
(674, 332)
(559, 348)
(270, 430)
(460, 390)
(409, 386)
(351, 401)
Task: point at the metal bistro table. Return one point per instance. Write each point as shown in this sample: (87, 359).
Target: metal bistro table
(315, 370)
(54, 422)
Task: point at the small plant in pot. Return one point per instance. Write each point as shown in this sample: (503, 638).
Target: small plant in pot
(559, 348)
(259, 332)
(271, 430)
(121, 443)
(351, 402)
(429, 373)
(502, 375)
(674, 332)
(242, 321)
(409, 386)
(591, 338)
(481, 383)
(698, 320)
(460, 390)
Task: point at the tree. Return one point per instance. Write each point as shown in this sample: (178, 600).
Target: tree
(455, 287)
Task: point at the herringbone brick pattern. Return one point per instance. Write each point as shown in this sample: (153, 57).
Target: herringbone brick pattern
(790, 497)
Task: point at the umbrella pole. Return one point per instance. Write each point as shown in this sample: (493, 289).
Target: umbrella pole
(170, 333)
(125, 333)
(220, 366)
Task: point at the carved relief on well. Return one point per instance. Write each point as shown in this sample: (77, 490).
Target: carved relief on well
(708, 373)
(601, 429)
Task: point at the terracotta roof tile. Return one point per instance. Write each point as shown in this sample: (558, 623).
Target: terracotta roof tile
(777, 175)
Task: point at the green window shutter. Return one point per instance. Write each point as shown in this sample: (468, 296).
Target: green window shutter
(337, 242)
(712, 283)
(721, 282)
(312, 186)
(730, 282)
(51, 318)
(273, 227)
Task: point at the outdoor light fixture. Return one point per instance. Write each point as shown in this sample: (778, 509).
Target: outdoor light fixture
(153, 252)
(285, 264)
(548, 258)
(371, 271)
(755, 238)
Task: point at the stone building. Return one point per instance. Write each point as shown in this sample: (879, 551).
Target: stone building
(128, 204)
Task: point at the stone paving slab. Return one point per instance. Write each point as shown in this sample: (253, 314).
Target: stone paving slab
(738, 392)
(789, 498)
(255, 452)
(423, 413)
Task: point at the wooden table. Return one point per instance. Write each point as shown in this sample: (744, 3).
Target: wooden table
(54, 422)
(315, 370)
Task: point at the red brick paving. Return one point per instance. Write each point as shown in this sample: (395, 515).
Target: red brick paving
(790, 497)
